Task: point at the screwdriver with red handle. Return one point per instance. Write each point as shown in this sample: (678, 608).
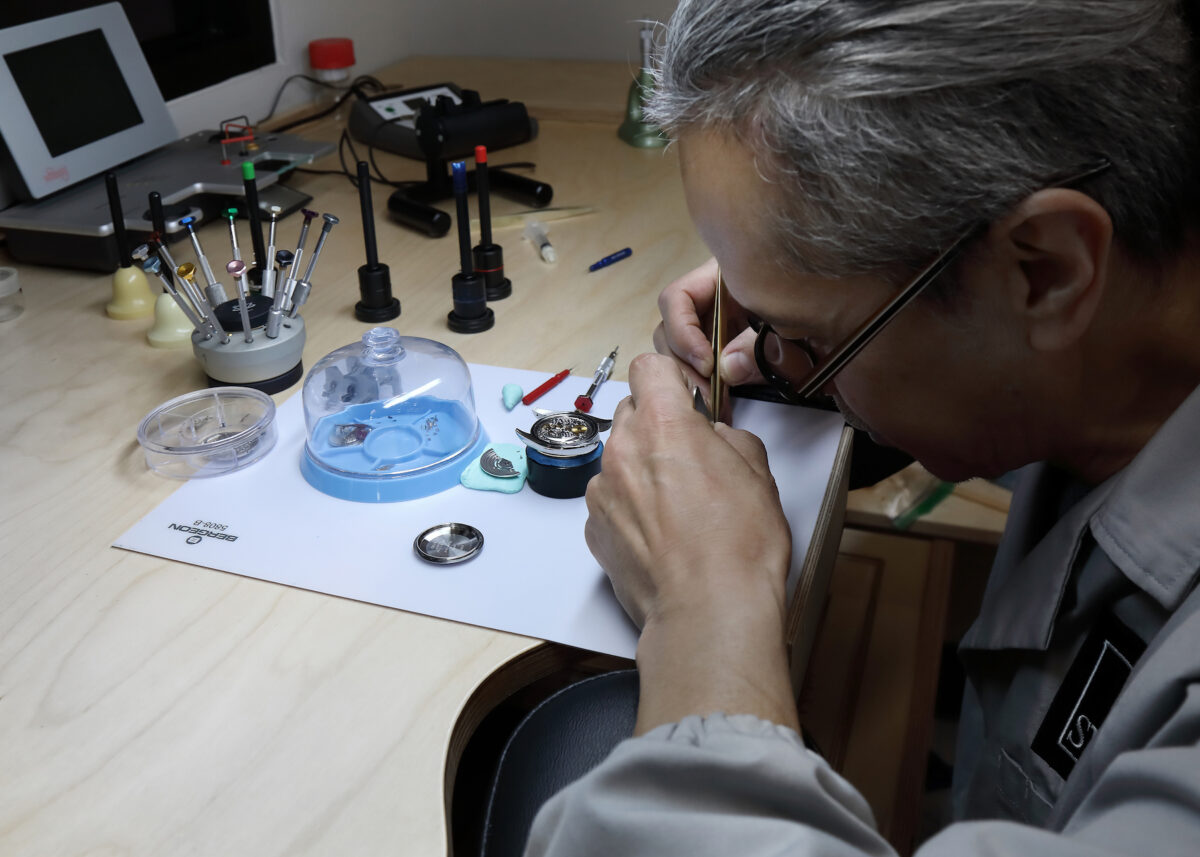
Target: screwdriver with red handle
(584, 402)
(544, 388)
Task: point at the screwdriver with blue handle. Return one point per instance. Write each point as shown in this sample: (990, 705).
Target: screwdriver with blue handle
(610, 259)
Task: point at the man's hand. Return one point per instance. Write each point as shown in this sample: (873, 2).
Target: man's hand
(685, 519)
(686, 309)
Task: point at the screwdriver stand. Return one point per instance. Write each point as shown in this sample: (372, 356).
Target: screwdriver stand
(266, 364)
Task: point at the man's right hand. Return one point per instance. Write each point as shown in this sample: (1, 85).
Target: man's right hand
(686, 308)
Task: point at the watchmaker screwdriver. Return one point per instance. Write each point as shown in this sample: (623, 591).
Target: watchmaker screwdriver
(202, 308)
(237, 270)
(231, 213)
(284, 259)
(213, 290)
(275, 313)
(290, 283)
(304, 287)
(268, 277)
(584, 402)
(545, 387)
(330, 222)
(153, 265)
(187, 274)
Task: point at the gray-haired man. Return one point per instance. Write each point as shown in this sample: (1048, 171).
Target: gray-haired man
(830, 150)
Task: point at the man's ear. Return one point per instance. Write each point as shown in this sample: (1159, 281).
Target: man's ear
(1058, 241)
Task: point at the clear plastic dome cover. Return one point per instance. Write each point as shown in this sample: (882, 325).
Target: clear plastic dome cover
(389, 418)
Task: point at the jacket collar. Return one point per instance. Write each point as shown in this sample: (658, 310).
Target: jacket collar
(1034, 560)
(1150, 524)
(1146, 519)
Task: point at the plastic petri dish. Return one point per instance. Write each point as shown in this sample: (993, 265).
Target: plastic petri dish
(208, 432)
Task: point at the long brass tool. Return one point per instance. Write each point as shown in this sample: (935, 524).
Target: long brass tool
(716, 386)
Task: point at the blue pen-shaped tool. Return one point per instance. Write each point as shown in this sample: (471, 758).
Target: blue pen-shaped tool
(608, 260)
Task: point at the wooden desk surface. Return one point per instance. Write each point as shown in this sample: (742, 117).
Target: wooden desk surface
(150, 707)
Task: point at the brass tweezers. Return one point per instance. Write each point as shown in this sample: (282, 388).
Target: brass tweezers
(716, 386)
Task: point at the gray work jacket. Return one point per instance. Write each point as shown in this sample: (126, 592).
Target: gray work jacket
(1080, 732)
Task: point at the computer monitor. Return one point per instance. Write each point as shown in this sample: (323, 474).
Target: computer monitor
(76, 99)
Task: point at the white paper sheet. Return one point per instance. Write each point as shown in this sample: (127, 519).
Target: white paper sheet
(534, 575)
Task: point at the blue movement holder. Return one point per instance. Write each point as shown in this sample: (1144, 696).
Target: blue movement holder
(562, 478)
(413, 457)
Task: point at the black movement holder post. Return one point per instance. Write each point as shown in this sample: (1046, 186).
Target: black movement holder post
(446, 131)
(250, 185)
(471, 314)
(489, 257)
(124, 256)
(376, 303)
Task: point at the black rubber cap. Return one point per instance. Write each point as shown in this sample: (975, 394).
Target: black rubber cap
(499, 291)
(489, 261)
(374, 315)
(477, 324)
(375, 289)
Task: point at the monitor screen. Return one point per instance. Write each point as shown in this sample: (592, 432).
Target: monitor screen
(189, 44)
(74, 90)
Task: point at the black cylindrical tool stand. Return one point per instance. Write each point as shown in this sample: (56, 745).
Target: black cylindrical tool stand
(124, 257)
(488, 257)
(374, 281)
(158, 220)
(471, 314)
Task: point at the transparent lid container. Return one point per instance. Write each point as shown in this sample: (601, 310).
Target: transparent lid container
(389, 418)
(208, 432)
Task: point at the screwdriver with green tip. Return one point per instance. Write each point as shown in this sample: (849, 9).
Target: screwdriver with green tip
(231, 213)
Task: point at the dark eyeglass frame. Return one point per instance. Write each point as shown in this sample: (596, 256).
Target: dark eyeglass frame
(824, 372)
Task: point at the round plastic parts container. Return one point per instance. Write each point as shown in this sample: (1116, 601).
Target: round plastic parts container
(389, 418)
(208, 432)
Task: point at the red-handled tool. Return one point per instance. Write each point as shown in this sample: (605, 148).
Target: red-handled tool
(544, 388)
(584, 402)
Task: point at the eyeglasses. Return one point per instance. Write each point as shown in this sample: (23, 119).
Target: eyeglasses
(791, 367)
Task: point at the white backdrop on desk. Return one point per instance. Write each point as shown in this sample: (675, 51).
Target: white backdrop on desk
(534, 576)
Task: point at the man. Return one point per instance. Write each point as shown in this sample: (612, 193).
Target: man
(830, 150)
